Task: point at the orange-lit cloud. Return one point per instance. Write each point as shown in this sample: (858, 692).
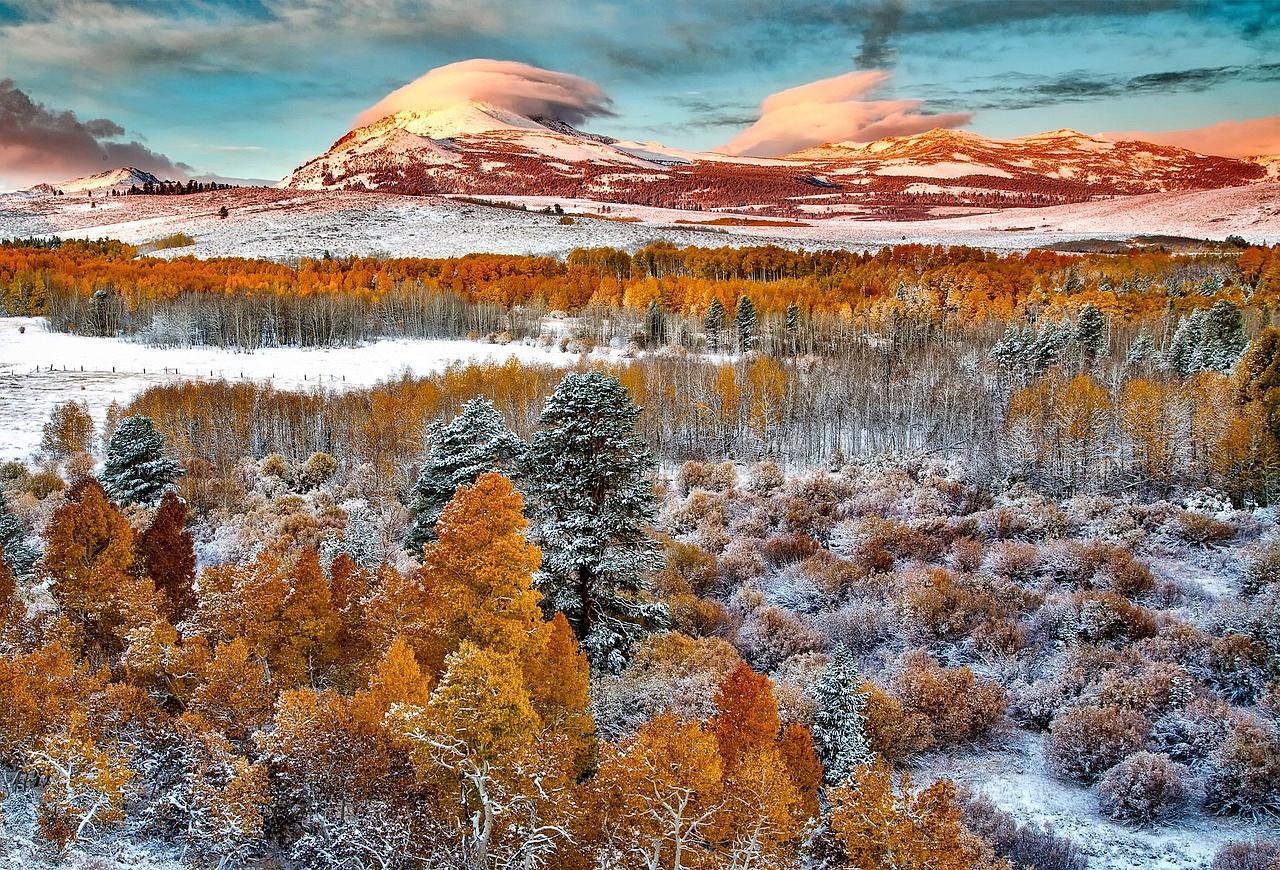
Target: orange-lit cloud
(1227, 138)
(832, 110)
(519, 87)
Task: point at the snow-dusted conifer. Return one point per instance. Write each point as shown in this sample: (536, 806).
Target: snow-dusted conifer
(1185, 346)
(744, 319)
(474, 442)
(1222, 338)
(591, 499)
(13, 539)
(136, 470)
(714, 323)
(1142, 352)
(839, 725)
(1091, 327)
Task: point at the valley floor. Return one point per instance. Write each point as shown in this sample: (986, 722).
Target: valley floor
(272, 223)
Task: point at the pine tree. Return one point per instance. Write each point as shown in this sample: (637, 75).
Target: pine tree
(744, 319)
(793, 327)
(13, 542)
(136, 469)
(1222, 338)
(839, 725)
(473, 443)
(1091, 328)
(592, 500)
(714, 323)
(1185, 346)
(1142, 352)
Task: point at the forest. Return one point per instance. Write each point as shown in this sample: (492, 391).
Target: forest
(753, 590)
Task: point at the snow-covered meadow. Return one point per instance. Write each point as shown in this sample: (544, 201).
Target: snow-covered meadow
(40, 369)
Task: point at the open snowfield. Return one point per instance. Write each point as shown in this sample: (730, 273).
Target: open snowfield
(99, 371)
(1017, 781)
(276, 224)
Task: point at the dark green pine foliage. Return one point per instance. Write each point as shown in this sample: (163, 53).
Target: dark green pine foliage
(793, 327)
(714, 323)
(587, 477)
(13, 540)
(745, 321)
(137, 470)
(475, 442)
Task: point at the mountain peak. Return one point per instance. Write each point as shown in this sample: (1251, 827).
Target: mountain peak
(121, 178)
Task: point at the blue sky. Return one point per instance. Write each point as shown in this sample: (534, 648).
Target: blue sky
(255, 87)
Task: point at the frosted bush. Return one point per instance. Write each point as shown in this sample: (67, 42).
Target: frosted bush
(1144, 788)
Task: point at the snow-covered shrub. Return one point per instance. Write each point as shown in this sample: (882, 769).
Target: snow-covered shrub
(770, 634)
(1191, 734)
(765, 478)
(1234, 667)
(1263, 566)
(1144, 788)
(1104, 616)
(793, 681)
(863, 623)
(958, 705)
(1200, 529)
(1244, 772)
(788, 548)
(1084, 742)
(316, 471)
(812, 506)
(1016, 561)
(968, 553)
(1152, 689)
(1028, 845)
(741, 561)
(1258, 855)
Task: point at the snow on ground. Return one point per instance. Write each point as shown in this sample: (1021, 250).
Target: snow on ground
(1016, 780)
(282, 224)
(99, 371)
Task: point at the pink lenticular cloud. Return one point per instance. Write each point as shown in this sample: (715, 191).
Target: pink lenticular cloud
(1248, 138)
(519, 87)
(832, 110)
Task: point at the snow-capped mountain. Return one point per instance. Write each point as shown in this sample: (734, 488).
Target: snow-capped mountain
(1049, 162)
(484, 150)
(120, 179)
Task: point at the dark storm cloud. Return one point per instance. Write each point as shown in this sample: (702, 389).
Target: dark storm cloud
(38, 143)
(1030, 91)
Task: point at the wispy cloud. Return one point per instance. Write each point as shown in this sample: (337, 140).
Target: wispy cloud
(833, 110)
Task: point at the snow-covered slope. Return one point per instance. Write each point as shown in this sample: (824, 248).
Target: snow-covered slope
(120, 179)
(453, 149)
(1050, 163)
(482, 150)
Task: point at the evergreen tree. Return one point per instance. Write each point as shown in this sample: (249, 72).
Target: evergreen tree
(474, 442)
(1142, 352)
(793, 327)
(714, 324)
(1222, 338)
(592, 500)
(1091, 328)
(1185, 346)
(13, 542)
(136, 469)
(745, 321)
(839, 725)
